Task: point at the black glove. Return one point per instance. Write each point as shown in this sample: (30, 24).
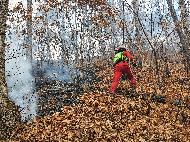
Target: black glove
(134, 64)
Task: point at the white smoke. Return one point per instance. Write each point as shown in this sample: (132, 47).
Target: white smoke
(20, 82)
(18, 72)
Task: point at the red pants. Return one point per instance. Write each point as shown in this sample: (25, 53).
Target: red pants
(119, 69)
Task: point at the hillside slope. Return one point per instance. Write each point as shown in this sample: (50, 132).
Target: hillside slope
(100, 116)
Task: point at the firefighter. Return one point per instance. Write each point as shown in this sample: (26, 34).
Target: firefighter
(121, 63)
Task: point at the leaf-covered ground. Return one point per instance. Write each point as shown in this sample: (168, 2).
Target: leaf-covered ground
(100, 116)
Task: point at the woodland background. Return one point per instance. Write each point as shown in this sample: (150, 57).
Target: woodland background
(56, 68)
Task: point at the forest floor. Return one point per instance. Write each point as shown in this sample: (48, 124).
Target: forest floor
(100, 116)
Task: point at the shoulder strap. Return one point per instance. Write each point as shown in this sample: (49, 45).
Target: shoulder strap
(118, 57)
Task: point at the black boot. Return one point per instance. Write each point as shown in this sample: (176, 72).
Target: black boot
(158, 98)
(124, 77)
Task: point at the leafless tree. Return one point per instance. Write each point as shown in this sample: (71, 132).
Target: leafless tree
(29, 28)
(9, 114)
(184, 39)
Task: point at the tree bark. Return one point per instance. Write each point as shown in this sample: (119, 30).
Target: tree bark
(184, 17)
(9, 114)
(135, 4)
(182, 36)
(29, 29)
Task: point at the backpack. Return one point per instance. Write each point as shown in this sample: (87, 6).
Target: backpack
(119, 57)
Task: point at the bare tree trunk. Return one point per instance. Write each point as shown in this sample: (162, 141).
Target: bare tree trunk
(9, 114)
(137, 25)
(138, 31)
(184, 18)
(29, 29)
(182, 36)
